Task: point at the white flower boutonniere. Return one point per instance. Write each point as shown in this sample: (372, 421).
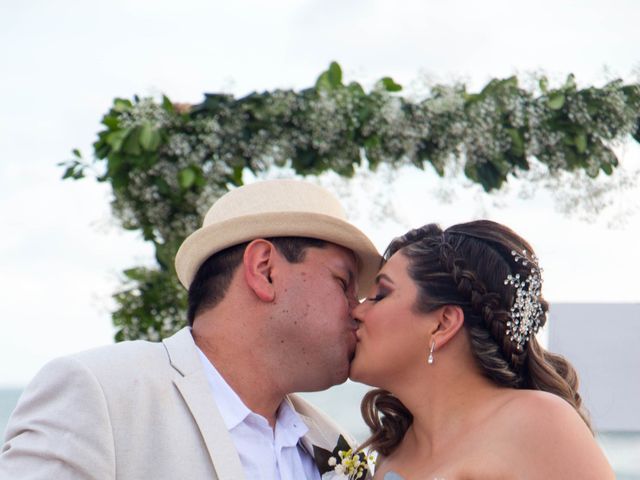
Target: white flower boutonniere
(343, 463)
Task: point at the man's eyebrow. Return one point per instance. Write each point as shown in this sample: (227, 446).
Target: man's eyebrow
(343, 267)
(383, 276)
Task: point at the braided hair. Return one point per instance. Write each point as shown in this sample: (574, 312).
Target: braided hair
(466, 265)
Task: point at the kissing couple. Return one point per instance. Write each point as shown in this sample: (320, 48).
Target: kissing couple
(286, 296)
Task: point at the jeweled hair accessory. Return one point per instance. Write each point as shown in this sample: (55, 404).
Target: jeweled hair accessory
(527, 310)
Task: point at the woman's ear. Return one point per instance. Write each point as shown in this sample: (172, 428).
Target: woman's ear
(450, 321)
(257, 264)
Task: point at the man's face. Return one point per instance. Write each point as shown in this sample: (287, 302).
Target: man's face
(314, 304)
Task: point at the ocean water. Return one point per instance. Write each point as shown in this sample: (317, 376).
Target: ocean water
(342, 403)
(8, 400)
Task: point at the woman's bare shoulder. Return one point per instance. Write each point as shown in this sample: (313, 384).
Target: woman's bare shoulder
(524, 403)
(539, 415)
(544, 432)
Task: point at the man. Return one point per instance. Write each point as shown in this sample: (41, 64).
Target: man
(272, 276)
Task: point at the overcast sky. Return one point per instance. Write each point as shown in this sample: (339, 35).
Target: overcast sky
(63, 62)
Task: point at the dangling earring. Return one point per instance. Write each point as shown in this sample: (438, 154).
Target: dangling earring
(430, 359)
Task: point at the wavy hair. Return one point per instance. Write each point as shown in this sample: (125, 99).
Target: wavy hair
(466, 265)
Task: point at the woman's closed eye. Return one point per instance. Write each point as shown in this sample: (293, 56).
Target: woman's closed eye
(377, 297)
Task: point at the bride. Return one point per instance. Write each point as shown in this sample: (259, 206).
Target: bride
(465, 390)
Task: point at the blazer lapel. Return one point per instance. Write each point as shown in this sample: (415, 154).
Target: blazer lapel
(319, 434)
(195, 391)
(315, 436)
(323, 432)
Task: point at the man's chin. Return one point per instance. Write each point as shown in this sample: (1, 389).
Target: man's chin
(344, 376)
(353, 371)
(321, 386)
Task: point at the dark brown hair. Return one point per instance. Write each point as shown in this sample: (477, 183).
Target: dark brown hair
(214, 276)
(466, 265)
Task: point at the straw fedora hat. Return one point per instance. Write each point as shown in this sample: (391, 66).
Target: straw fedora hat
(275, 208)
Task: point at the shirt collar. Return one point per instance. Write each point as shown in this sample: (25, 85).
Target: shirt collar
(232, 408)
(289, 426)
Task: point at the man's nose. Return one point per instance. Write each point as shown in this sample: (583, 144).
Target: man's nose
(353, 301)
(356, 310)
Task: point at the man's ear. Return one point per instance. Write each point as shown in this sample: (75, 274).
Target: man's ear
(450, 321)
(257, 264)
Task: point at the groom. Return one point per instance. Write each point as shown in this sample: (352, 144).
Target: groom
(272, 277)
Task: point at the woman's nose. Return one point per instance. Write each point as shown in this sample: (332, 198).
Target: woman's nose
(358, 310)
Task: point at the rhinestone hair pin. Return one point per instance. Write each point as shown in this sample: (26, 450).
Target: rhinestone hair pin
(527, 309)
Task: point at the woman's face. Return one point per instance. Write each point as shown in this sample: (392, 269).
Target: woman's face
(393, 338)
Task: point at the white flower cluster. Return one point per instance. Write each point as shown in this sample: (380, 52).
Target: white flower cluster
(348, 465)
(147, 110)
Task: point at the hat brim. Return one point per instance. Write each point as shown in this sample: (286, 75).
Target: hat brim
(206, 241)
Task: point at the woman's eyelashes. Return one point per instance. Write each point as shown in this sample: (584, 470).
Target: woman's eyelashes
(378, 296)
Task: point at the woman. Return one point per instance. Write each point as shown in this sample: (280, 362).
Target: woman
(465, 390)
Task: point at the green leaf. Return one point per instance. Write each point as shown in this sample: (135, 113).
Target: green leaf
(335, 75)
(544, 84)
(167, 104)
(607, 168)
(76, 153)
(517, 142)
(145, 135)
(74, 171)
(236, 176)
(581, 142)
(505, 84)
(323, 82)
(213, 102)
(556, 100)
(133, 273)
(592, 173)
(114, 139)
(356, 89)
(489, 173)
(186, 177)
(389, 85)
(149, 137)
(101, 149)
(573, 160)
(110, 121)
(122, 105)
(131, 144)
(471, 98)
(330, 79)
(570, 82)
(497, 86)
(636, 133)
(154, 143)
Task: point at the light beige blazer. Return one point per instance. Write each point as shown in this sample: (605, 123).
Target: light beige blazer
(134, 410)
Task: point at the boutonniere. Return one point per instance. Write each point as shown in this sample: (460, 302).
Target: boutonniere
(343, 463)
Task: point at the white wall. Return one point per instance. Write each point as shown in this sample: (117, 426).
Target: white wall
(602, 340)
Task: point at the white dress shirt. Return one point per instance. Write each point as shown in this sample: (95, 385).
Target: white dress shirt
(265, 453)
